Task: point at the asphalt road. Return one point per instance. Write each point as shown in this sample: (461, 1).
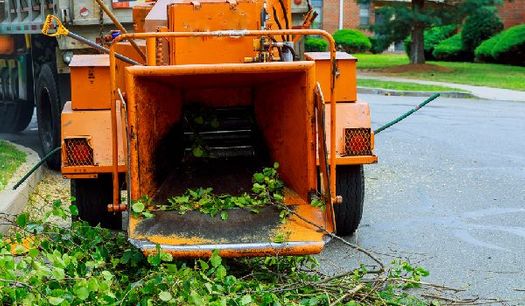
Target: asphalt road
(28, 137)
(448, 194)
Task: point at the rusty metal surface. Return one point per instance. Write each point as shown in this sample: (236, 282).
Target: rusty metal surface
(243, 234)
(232, 176)
(242, 226)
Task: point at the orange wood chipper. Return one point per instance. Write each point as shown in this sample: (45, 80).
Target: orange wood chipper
(126, 127)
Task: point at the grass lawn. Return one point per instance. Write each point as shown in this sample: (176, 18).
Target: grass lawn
(10, 160)
(491, 75)
(403, 86)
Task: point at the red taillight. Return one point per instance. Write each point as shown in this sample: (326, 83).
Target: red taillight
(358, 142)
(78, 152)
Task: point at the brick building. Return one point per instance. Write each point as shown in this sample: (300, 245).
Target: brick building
(362, 15)
(512, 12)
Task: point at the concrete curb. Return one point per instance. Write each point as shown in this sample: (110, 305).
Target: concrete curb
(392, 92)
(13, 201)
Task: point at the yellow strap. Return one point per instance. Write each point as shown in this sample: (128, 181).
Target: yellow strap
(53, 22)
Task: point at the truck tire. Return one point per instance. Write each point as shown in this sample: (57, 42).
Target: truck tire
(48, 108)
(350, 184)
(91, 196)
(15, 113)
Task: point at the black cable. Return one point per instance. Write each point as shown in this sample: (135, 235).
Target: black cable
(285, 13)
(277, 22)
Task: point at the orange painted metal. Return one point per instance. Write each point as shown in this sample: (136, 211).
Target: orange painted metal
(302, 237)
(97, 125)
(241, 33)
(345, 84)
(288, 138)
(212, 16)
(91, 86)
(349, 115)
(140, 11)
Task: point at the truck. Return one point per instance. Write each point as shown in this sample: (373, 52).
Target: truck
(34, 68)
(222, 94)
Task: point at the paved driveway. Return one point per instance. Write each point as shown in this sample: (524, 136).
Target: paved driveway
(448, 193)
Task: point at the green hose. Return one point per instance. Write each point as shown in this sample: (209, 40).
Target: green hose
(43, 160)
(377, 131)
(410, 112)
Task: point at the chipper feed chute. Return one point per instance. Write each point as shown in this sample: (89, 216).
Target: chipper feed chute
(269, 108)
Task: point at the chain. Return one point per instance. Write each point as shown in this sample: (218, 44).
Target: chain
(101, 25)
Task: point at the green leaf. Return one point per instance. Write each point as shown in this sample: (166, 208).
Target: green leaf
(224, 215)
(33, 253)
(215, 259)
(166, 257)
(53, 300)
(138, 207)
(73, 209)
(58, 273)
(107, 275)
(247, 299)
(258, 177)
(21, 219)
(82, 293)
(220, 273)
(165, 296)
(199, 120)
(198, 151)
(148, 215)
(154, 260)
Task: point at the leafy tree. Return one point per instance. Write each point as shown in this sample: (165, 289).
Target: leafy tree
(399, 19)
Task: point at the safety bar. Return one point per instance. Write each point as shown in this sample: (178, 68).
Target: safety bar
(151, 37)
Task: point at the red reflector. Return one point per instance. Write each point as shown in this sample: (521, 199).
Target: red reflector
(78, 152)
(357, 142)
(297, 2)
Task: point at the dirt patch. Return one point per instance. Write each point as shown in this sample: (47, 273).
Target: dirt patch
(415, 68)
(52, 187)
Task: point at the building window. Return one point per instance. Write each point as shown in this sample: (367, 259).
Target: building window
(318, 7)
(364, 14)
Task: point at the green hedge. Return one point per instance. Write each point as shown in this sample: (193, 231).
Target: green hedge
(451, 49)
(433, 37)
(507, 47)
(484, 51)
(479, 26)
(510, 49)
(315, 44)
(352, 41)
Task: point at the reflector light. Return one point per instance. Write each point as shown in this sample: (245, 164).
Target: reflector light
(78, 152)
(357, 142)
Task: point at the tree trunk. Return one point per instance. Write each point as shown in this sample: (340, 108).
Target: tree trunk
(417, 51)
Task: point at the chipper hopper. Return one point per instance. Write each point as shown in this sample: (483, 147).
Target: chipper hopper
(221, 95)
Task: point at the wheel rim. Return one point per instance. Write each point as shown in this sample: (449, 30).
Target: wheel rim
(46, 122)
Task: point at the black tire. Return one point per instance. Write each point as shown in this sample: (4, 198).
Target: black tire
(15, 113)
(350, 185)
(92, 197)
(48, 108)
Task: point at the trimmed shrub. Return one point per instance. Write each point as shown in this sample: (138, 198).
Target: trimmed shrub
(379, 43)
(433, 37)
(483, 52)
(510, 48)
(451, 49)
(315, 44)
(352, 41)
(479, 26)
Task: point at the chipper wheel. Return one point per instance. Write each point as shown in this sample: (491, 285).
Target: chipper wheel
(92, 197)
(351, 186)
